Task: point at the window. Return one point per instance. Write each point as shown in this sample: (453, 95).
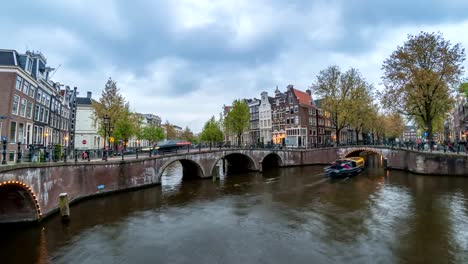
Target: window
(28, 133)
(40, 135)
(22, 111)
(15, 104)
(46, 116)
(13, 132)
(48, 100)
(296, 120)
(19, 80)
(31, 91)
(35, 135)
(26, 88)
(44, 98)
(296, 109)
(20, 132)
(41, 115)
(30, 65)
(29, 110)
(36, 113)
(39, 95)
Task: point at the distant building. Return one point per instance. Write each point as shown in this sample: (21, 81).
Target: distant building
(410, 134)
(254, 128)
(265, 118)
(86, 131)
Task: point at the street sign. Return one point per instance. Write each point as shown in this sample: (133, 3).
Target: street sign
(84, 141)
(111, 139)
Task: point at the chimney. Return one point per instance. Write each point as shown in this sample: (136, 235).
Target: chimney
(309, 92)
(88, 95)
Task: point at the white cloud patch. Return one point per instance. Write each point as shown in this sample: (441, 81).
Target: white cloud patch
(185, 83)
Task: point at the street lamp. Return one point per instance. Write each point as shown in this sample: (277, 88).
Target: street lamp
(106, 124)
(111, 147)
(65, 149)
(4, 141)
(138, 145)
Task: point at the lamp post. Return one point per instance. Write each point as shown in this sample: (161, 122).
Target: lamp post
(138, 145)
(4, 141)
(65, 149)
(18, 159)
(106, 124)
(111, 147)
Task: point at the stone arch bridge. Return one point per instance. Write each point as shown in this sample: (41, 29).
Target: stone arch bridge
(29, 192)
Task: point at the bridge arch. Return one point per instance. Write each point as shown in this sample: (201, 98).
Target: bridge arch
(271, 160)
(238, 160)
(349, 152)
(18, 203)
(190, 168)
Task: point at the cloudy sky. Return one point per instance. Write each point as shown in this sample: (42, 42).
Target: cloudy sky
(184, 59)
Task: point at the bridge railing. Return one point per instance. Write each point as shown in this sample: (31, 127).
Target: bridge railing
(96, 155)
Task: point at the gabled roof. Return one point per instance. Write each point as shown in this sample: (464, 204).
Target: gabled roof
(83, 101)
(303, 97)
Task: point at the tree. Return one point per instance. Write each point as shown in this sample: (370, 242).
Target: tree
(360, 120)
(342, 95)
(419, 77)
(153, 134)
(237, 120)
(394, 125)
(112, 104)
(187, 134)
(211, 132)
(464, 88)
(170, 131)
(124, 127)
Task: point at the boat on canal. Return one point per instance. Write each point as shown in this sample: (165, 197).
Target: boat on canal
(347, 167)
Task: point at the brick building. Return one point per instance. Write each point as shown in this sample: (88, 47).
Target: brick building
(28, 95)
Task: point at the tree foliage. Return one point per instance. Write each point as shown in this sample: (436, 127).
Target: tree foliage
(112, 104)
(394, 125)
(153, 134)
(464, 88)
(344, 95)
(419, 77)
(170, 131)
(237, 120)
(187, 134)
(123, 127)
(211, 131)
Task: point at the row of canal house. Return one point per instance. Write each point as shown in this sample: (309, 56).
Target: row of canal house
(35, 112)
(291, 118)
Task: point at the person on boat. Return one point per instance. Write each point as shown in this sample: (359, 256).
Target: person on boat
(346, 166)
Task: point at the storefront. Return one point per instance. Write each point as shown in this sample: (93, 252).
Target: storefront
(296, 137)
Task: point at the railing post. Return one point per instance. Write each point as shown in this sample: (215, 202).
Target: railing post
(18, 159)
(76, 157)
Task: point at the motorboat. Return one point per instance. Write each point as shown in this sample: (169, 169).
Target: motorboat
(346, 167)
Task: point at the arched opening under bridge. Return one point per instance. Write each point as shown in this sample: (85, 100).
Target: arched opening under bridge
(373, 158)
(234, 163)
(271, 161)
(18, 203)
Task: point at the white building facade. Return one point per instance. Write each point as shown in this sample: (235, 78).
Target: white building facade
(86, 132)
(265, 118)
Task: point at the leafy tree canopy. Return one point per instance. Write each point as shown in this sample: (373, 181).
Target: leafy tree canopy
(419, 77)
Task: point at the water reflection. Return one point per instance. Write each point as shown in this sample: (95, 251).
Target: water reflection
(291, 215)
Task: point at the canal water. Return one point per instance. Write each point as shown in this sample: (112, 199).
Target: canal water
(289, 215)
